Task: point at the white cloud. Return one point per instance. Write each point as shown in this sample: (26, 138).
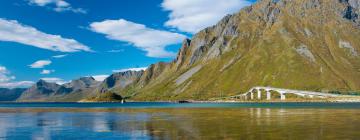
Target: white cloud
(115, 51)
(131, 69)
(40, 64)
(100, 77)
(57, 5)
(47, 71)
(194, 15)
(13, 31)
(4, 75)
(6, 78)
(150, 40)
(20, 84)
(54, 80)
(60, 56)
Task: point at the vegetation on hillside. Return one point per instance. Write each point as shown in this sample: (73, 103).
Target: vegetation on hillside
(304, 45)
(105, 97)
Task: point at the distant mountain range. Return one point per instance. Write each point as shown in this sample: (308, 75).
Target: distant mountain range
(297, 44)
(73, 91)
(10, 94)
(76, 90)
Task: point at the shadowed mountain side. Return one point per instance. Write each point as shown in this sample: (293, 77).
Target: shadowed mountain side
(10, 94)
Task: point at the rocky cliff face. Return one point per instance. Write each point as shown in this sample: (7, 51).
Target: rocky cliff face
(307, 44)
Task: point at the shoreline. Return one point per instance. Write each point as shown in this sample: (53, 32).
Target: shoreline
(193, 101)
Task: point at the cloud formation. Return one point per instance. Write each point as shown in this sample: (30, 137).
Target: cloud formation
(47, 71)
(40, 64)
(100, 77)
(60, 56)
(57, 5)
(194, 15)
(6, 78)
(13, 31)
(54, 80)
(115, 51)
(131, 69)
(147, 39)
(4, 75)
(20, 84)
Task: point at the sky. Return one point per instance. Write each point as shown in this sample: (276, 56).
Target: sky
(61, 40)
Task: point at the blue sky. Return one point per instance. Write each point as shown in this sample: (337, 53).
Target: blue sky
(60, 40)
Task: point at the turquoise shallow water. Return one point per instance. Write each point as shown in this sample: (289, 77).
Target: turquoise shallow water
(179, 121)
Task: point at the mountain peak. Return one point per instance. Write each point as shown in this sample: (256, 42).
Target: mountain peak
(296, 44)
(120, 80)
(44, 83)
(90, 78)
(86, 81)
(299, 44)
(268, 10)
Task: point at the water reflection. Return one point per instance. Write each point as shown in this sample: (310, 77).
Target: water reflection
(191, 123)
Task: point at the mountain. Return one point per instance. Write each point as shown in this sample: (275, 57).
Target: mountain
(297, 44)
(40, 91)
(73, 91)
(76, 90)
(77, 85)
(119, 80)
(10, 94)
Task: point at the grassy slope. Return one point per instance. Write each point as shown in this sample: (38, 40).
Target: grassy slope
(104, 97)
(272, 61)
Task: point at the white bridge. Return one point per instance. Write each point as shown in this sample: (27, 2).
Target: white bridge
(256, 91)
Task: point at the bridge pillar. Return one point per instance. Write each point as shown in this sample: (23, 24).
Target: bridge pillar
(268, 95)
(282, 96)
(259, 94)
(251, 95)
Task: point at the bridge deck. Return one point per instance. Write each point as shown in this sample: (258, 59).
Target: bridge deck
(288, 91)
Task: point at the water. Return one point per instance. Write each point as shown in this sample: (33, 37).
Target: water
(180, 121)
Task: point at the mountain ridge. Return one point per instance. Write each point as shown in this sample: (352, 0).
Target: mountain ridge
(10, 94)
(73, 91)
(305, 45)
(285, 38)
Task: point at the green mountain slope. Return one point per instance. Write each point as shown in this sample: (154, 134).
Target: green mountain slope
(307, 45)
(298, 44)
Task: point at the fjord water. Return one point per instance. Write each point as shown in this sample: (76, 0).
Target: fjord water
(180, 121)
